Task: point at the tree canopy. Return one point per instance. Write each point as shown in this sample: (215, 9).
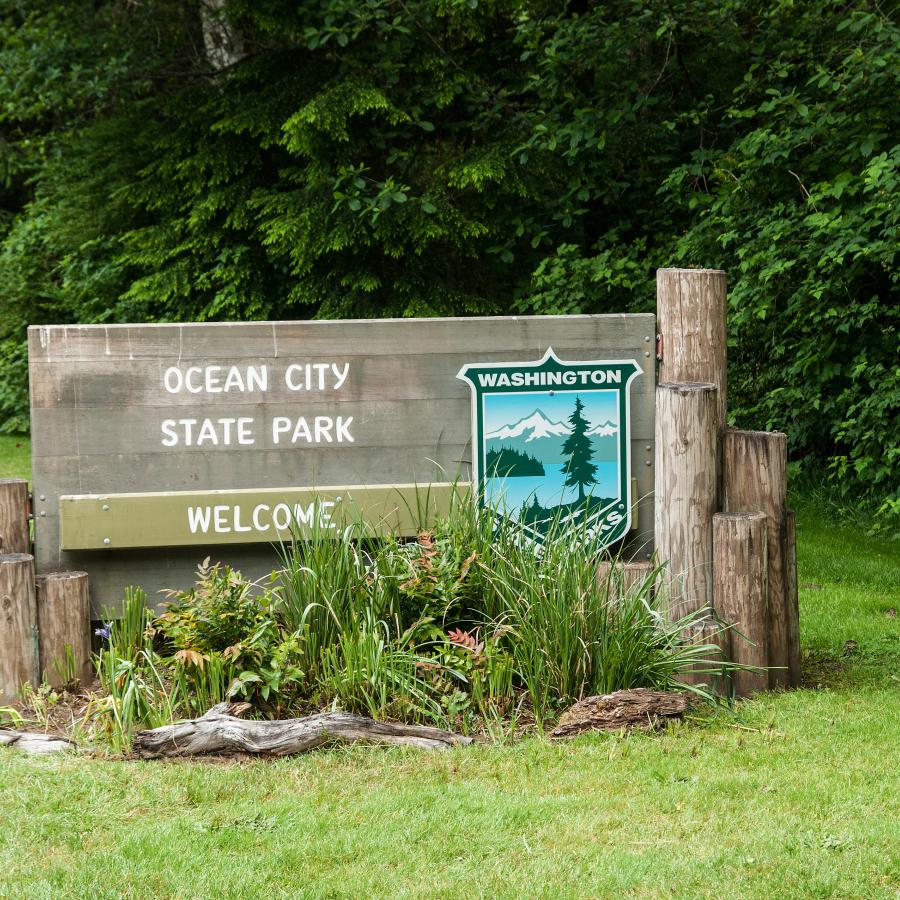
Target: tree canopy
(166, 161)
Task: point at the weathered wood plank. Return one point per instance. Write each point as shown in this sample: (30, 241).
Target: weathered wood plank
(393, 337)
(203, 518)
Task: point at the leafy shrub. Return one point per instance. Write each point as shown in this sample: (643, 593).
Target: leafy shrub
(219, 612)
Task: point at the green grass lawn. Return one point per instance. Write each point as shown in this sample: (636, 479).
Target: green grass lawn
(797, 795)
(15, 456)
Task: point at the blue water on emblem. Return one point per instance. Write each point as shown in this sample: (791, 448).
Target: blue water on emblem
(549, 488)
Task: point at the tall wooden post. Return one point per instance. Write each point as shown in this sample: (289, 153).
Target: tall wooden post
(691, 321)
(18, 625)
(14, 532)
(64, 621)
(755, 476)
(740, 592)
(687, 442)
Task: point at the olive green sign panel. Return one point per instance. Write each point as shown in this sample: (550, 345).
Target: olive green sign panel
(268, 410)
(200, 518)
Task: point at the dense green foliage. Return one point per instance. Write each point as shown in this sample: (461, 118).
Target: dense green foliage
(406, 157)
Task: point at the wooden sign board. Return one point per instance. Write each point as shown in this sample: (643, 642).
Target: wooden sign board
(154, 446)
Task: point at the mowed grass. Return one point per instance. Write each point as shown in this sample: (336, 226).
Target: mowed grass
(795, 795)
(15, 456)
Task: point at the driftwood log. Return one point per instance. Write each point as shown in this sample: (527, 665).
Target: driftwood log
(636, 708)
(34, 743)
(218, 732)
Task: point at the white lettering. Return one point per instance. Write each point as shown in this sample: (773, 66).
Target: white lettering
(172, 386)
(256, 511)
(198, 518)
(343, 430)
(340, 374)
(219, 522)
(289, 377)
(168, 429)
(284, 511)
(245, 435)
(237, 521)
(323, 425)
(193, 370)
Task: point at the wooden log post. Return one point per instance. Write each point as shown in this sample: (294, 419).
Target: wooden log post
(64, 621)
(14, 532)
(687, 442)
(740, 593)
(623, 576)
(792, 603)
(755, 477)
(18, 625)
(690, 319)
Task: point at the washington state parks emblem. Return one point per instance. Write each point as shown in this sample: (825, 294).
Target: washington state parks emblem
(550, 444)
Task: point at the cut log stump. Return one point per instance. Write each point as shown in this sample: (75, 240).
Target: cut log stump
(218, 732)
(636, 708)
(64, 623)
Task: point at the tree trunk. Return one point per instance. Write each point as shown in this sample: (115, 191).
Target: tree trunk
(64, 620)
(219, 732)
(755, 476)
(687, 447)
(740, 595)
(18, 625)
(15, 536)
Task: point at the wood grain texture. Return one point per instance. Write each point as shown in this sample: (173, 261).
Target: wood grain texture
(755, 480)
(792, 599)
(98, 399)
(687, 447)
(219, 732)
(18, 625)
(623, 577)
(709, 673)
(740, 593)
(691, 321)
(64, 620)
(14, 532)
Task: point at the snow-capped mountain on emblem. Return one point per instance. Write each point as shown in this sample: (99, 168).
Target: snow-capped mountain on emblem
(535, 426)
(605, 430)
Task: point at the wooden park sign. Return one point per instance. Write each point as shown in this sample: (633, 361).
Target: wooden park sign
(153, 445)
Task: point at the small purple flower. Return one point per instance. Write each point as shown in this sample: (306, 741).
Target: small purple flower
(105, 632)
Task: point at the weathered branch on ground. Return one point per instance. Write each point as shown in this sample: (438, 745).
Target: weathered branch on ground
(218, 731)
(637, 708)
(32, 742)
